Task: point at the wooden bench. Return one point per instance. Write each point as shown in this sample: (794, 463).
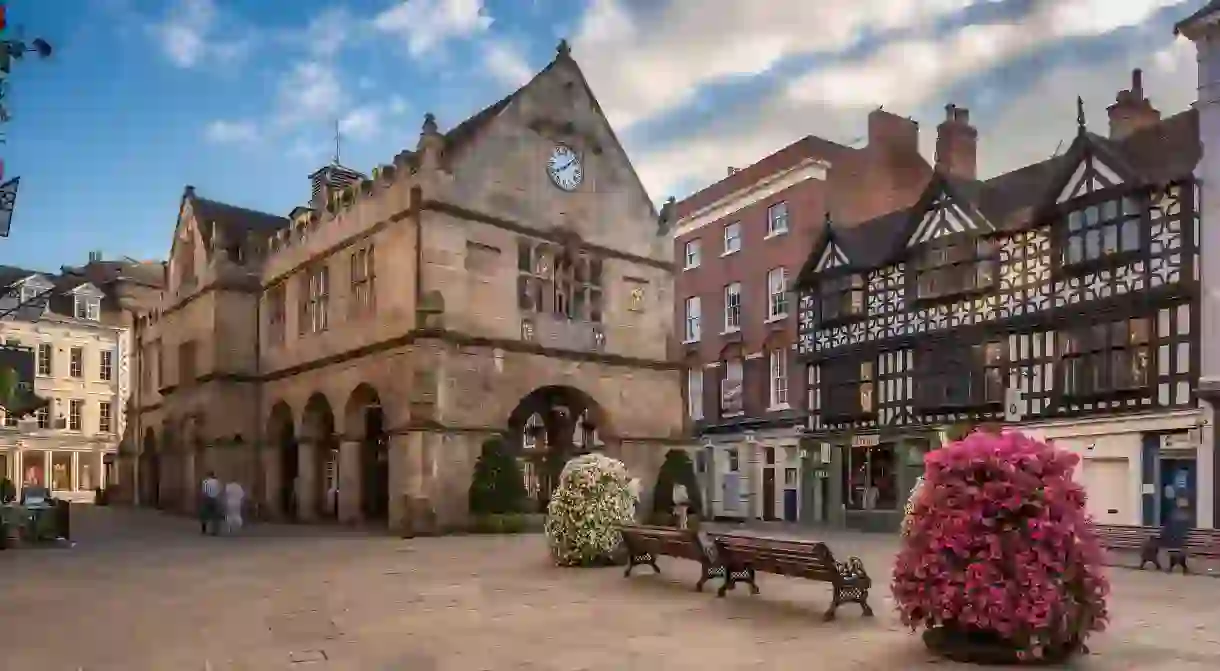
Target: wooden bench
(741, 557)
(1204, 543)
(645, 543)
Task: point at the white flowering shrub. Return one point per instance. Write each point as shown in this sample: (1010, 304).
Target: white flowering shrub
(907, 520)
(592, 501)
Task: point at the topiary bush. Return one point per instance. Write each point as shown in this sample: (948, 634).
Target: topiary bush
(1000, 562)
(497, 486)
(590, 504)
(677, 469)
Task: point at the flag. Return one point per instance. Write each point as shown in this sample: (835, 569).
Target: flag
(3, 17)
(8, 200)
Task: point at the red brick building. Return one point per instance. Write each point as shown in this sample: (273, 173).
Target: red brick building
(739, 244)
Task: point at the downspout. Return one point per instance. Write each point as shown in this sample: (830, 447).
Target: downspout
(259, 438)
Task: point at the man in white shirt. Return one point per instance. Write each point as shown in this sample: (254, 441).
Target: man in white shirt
(209, 505)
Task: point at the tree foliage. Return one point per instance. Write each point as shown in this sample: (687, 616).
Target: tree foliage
(496, 488)
(676, 469)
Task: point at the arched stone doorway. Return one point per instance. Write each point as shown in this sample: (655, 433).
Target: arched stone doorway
(364, 421)
(150, 471)
(284, 461)
(317, 485)
(549, 426)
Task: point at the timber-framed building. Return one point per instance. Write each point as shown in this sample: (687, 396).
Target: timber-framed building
(1060, 298)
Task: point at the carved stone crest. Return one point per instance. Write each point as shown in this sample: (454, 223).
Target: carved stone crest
(527, 330)
(636, 301)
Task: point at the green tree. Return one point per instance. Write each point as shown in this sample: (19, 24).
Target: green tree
(496, 488)
(676, 469)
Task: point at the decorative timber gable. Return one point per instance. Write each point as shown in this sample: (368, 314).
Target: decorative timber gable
(1073, 281)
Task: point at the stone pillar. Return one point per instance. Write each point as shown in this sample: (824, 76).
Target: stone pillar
(753, 477)
(192, 478)
(271, 503)
(74, 476)
(308, 481)
(404, 453)
(19, 473)
(350, 482)
(46, 469)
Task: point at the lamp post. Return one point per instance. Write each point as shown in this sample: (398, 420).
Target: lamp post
(12, 49)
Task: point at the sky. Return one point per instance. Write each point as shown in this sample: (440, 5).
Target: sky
(239, 98)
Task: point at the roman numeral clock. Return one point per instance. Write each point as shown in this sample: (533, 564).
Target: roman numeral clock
(564, 168)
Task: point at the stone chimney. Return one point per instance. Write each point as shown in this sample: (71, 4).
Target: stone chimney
(957, 144)
(1131, 111)
(732, 171)
(891, 133)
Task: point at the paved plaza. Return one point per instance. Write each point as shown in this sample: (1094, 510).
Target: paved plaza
(143, 590)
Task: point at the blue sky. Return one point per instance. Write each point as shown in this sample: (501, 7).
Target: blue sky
(238, 97)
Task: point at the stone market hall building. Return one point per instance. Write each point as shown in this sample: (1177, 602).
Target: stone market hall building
(1061, 297)
(508, 276)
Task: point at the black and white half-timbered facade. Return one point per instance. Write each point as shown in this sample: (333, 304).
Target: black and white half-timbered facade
(1059, 298)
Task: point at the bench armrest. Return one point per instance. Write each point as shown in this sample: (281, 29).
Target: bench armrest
(852, 569)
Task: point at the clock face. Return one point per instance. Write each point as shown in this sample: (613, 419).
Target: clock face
(564, 168)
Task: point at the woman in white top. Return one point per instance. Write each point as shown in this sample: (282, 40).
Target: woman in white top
(234, 496)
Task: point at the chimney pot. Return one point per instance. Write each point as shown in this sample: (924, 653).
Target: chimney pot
(957, 144)
(1137, 83)
(732, 170)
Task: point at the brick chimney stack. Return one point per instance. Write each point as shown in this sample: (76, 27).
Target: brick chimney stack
(957, 144)
(1131, 111)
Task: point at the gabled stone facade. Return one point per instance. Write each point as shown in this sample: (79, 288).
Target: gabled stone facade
(349, 361)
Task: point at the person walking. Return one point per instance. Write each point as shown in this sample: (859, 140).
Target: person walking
(209, 504)
(1173, 537)
(235, 495)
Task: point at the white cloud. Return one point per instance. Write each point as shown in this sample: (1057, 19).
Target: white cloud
(231, 132)
(642, 67)
(913, 75)
(362, 123)
(506, 63)
(311, 92)
(427, 24)
(188, 35)
(329, 31)
(904, 72)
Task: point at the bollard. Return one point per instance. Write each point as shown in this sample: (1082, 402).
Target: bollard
(63, 518)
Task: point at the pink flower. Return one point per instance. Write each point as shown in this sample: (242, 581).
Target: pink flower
(999, 539)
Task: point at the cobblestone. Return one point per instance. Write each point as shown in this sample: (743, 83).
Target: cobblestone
(142, 591)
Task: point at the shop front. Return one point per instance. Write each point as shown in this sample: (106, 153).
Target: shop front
(862, 481)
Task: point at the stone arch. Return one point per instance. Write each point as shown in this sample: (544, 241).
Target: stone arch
(150, 470)
(281, 462)
(365, 479)
(549, 426)
(318, 484)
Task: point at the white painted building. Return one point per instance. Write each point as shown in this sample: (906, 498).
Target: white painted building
(1203, 28)
(80, 369)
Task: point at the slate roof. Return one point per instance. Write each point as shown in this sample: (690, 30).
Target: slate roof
(1208, 9)
(236, 223)
(1014, 201)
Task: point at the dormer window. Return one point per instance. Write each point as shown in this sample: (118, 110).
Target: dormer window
(948, 268)
(29, 292)
(841, 297)
(88, 308)
(1102, 230)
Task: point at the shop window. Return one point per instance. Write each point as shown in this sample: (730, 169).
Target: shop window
(870, 478)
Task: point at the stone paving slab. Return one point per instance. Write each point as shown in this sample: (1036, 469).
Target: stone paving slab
(156, 596)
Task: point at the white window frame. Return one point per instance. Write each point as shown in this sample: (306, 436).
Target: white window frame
(734, 371)
(76, 414)
(694, 392)
(693, 316)
(732, 238)
(778, 378)
(777, 294)
(777, 219)
(732, 309)
(692, 254)
(87, 307)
